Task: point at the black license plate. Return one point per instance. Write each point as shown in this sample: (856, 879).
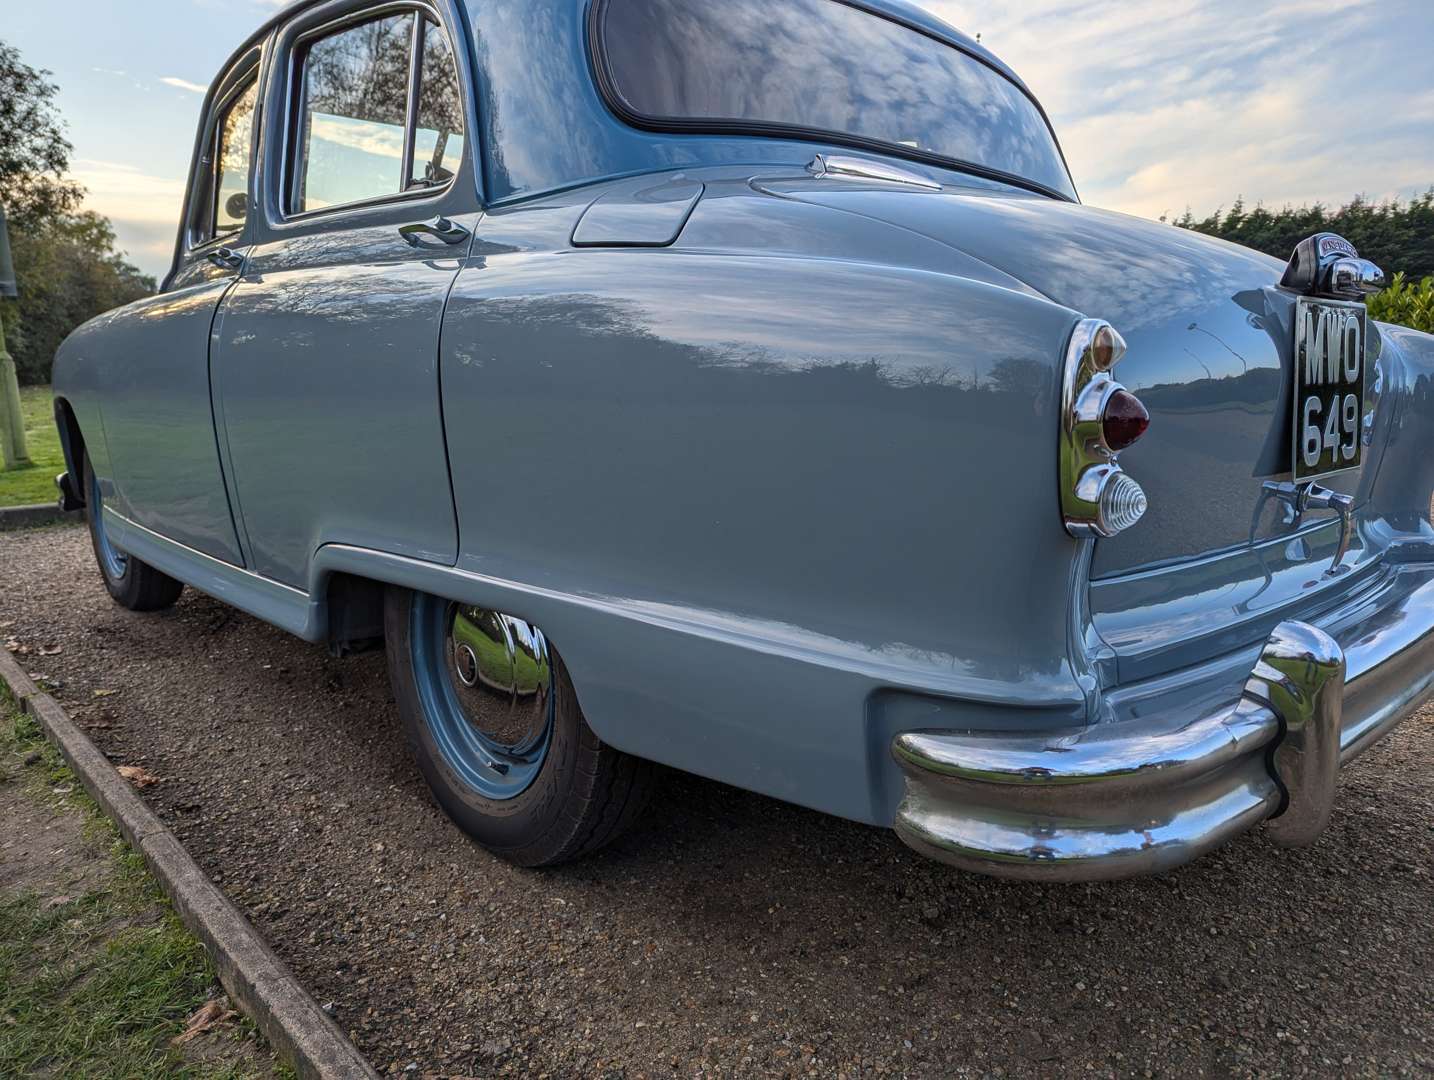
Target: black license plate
(1328, 387)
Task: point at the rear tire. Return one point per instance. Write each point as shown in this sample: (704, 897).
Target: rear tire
(517, 769)
(133, 584)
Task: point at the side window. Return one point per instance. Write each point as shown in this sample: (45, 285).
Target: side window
(234, 139)
(381, 113)
(438, 140)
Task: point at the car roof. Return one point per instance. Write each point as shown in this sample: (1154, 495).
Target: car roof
(928, 23)
(900, 10)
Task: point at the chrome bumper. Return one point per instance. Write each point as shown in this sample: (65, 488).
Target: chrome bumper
(1143, 795)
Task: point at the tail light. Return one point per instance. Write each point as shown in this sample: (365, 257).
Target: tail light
(1099, 418)
(1123, 421)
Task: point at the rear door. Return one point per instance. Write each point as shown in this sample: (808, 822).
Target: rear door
(158, 414)
(326, 350)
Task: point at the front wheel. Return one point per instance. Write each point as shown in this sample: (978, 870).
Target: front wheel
(497, 732)
(133, 584)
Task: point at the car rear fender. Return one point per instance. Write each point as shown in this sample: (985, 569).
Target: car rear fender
(847, 465)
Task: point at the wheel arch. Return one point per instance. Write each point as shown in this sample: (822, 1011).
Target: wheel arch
(72, 446)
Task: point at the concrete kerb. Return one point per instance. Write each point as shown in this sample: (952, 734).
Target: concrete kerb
(254, 976)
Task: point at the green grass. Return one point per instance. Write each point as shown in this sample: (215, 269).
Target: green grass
(96, 986)
(36, 482)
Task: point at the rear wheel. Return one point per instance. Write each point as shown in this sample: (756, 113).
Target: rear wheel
(496, 729)
(133, 584)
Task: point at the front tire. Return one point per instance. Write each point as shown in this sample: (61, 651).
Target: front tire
(496, 729)
(133, 584)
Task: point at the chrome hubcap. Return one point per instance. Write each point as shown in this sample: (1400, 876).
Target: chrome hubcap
(485, 681)
(501, 675)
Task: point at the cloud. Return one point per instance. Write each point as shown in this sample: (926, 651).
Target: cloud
(1197, 102)
(184, 84)
(144, 209)
(381, 140)
(1158, 106)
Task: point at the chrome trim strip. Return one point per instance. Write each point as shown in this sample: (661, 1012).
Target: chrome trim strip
(837, 167)
(773, 638)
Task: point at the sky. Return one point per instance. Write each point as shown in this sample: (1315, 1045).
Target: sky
(1159, 106)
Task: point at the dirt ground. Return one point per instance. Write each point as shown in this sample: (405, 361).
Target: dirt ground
(728, 934)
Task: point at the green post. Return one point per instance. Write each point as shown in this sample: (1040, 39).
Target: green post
(12, 420)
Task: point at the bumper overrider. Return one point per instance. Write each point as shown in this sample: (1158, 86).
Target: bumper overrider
(1141, 795)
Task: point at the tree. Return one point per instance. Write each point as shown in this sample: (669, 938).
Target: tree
(34, 153)
(65, 259)
(69, 272)
(1396, 236)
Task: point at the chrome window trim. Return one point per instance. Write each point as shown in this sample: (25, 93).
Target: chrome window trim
(410, 114)
(211, 214)
(290, 160)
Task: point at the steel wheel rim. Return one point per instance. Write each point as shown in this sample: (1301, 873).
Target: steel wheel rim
(114, 561)
(485, 685)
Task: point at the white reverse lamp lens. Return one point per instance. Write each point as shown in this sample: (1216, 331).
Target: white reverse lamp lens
(1122, 503)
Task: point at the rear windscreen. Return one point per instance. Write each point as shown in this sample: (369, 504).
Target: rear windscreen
(821, 67)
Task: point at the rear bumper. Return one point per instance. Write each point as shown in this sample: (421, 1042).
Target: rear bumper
(1158, 789)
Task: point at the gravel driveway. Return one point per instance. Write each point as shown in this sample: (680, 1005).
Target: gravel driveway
(728, 934)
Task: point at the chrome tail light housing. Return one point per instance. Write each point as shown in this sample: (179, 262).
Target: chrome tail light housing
(1099, 418)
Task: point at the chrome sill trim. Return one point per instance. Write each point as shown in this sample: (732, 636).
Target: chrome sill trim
(1139, 796)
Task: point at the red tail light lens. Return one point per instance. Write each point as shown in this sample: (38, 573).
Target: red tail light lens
(1123, 421)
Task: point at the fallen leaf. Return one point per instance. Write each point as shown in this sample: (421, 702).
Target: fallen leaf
(138, 775)
(105, 693)
(210, 1015)
(57, 901)
(53, 651)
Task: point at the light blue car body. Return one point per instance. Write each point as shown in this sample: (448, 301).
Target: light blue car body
(770, 457)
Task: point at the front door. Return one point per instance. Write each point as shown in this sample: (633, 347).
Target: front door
(326, 351)
(158, 412)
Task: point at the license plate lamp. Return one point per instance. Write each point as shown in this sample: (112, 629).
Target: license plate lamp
(1328, 368)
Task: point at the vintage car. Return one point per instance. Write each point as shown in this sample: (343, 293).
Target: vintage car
(742, 387)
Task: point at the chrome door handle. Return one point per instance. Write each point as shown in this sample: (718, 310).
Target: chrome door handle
(440, 228)
(226, 258)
